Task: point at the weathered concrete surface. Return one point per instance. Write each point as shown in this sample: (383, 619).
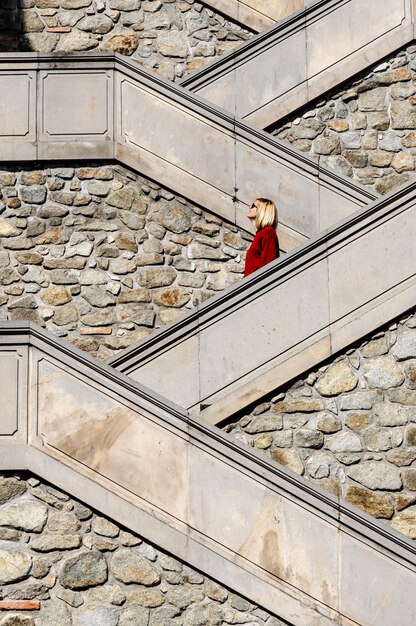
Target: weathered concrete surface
(304, 56)
(98, 434)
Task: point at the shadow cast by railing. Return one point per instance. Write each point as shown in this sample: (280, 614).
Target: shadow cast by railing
(11, 26)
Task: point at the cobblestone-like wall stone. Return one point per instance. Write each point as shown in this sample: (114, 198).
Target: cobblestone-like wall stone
(74, 567)
(350, 426)
(367, 128)
(102, 256)
(170, 37)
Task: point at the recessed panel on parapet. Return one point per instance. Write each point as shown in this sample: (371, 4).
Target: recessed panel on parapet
(76, 105)
(9, 392)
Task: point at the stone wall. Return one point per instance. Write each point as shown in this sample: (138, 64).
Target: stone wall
(102, 256)
(66, 566)
(350, 426)
(367, 128)
(171, 37)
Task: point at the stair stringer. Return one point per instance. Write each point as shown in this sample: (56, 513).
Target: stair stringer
(302, 57)
(219, 506)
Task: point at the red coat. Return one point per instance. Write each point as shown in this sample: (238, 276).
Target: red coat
(264, 249)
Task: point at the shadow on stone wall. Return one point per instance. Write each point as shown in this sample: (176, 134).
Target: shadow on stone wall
(11, 39)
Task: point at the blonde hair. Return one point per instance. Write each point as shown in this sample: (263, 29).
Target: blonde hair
(266, 213)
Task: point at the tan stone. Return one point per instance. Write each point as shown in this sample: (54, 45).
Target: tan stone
(125, 43)
(402, 456)
(56, 296)
(340, 126)
(65, 315)
(299, 406)
(288, 458)
(402, 501)
(403, 162)
(176, 298)
(405, 523)
(373, 504)
(337, 379)
(7, 229)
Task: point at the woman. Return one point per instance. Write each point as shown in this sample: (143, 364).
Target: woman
(265, 245)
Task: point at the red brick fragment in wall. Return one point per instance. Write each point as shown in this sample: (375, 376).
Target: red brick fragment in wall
(58, 29)
(96, 330)
(19, 605)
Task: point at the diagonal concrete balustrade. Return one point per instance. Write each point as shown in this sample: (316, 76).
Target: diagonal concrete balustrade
(287, 317)
(220, 506)
(304, 56)
(257, 14)
(106, 107)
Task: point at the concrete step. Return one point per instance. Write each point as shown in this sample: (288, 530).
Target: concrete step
(304, 56)
(189, 488)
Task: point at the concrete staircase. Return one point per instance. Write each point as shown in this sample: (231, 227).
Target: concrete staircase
(288, 317)
(105, 106)
(303, 56)
(97, 431)
(284, 543)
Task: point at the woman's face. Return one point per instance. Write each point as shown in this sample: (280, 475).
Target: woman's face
(252, 212)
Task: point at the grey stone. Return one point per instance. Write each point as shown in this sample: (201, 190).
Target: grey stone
(174, 218)
(405, 346)
(134, 616)
(202, 615)
(49, 543)
(35, 194)
(99, 24)
(84, 570)
(337, 379)
(54, 613)
(264, 423)
(201, 251)
(173, 44)
(27, 515)
(156, 277)
(307, 129)
(373, 100)
(104, 527)
(307, 438)
(389, 414)
(128, 567)
(377, 440)
(383, 372)
(344, 442)
(98, 296)
(14, 565)
(95, 616)
(73, 598)
(184, 596)
(318, 465)
(376, 475)
(403, 115)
